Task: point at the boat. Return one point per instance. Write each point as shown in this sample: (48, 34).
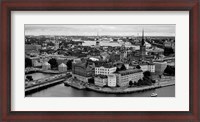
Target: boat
(154, 95)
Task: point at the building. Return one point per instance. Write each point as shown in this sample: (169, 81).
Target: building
(105, 56)
(115, 57)
(126, 76)
(112, 80)
(32, 48)
(160, 67)
(82, 71)
(100, 80)
(35, 61)
(127, 66)
(62, 68)
(147, 67)
(61, 60)
(46, 66)
(105, 69)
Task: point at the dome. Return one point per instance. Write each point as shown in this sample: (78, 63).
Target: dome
(62, 65)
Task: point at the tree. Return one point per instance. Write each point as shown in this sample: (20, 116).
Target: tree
(135, 83)
(30, 78)
(147, 74)
(69, 64)
(170, 70)
(91, 80)
(138, 67)
(123, 67)
(153, 81)
(139, 82)
(28, 62)
(53, 63)
(130, 83)
(168, 51)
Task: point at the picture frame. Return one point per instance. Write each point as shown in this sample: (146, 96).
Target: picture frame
(104, 5)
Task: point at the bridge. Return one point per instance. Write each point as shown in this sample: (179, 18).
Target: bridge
(40, 84)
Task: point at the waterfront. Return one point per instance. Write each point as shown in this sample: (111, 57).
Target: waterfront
(66, 91)
(38, 75)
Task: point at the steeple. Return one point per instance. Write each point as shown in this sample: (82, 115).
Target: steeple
(142, 47)
(142, 44)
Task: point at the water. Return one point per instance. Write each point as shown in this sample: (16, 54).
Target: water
(66, 91)
(37, 76)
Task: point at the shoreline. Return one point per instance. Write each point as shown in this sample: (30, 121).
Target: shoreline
(115, 90)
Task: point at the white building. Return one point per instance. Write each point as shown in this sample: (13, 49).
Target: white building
(147, 67)
(46, 66)
(62, 67)
(124, 77)
(100, 80)
(104, 70)
(112, 80)
(127, 66)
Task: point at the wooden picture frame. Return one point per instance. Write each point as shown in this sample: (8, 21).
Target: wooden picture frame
(8, 6)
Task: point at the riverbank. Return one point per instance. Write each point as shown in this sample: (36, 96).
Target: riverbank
(82, 86)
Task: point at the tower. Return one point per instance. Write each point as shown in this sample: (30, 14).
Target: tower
(142, 47)
(97, 41)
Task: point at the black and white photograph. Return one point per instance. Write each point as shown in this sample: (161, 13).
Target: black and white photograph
(99, 60)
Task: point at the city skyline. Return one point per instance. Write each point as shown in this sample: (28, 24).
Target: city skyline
(100, 30)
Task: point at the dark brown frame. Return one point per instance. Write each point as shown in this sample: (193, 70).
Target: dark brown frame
(98, 5)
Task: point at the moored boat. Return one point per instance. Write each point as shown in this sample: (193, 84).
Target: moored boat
(154, 95)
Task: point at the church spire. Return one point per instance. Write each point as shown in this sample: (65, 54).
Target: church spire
(142, 37)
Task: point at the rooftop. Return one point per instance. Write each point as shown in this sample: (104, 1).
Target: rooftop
(129, 71)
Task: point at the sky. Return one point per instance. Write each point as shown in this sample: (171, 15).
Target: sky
(93, 30)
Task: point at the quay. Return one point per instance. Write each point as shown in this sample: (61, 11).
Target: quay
(114, 90)
(128, 89)
(75, 84)
(40, 84)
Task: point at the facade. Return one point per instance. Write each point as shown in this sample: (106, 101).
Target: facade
(35, 60)
(147, 67)
(100, 80)
(82, 71)
(62, 68)
(124, 77)
(160, 67)
(104, 70)
(112, 82)
(127, 66)
(46, 66)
